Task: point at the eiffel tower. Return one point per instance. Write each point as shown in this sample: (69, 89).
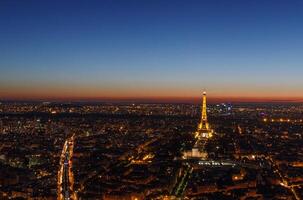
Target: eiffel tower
(204, 130)
(202, 134)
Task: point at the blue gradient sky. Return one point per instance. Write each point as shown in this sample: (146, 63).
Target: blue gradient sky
(151, 49)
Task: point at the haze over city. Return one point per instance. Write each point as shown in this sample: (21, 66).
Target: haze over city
(151, 50)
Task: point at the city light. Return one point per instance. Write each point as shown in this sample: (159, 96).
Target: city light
(151, 100)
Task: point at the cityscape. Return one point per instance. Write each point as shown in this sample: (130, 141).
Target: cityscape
(151, 100)
(151, 151)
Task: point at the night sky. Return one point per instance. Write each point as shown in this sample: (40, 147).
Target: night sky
(103, 49)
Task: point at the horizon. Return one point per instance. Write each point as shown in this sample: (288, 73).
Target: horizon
(165, 100)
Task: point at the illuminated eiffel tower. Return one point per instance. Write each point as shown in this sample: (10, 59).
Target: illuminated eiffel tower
(204, 130)
(202, 134)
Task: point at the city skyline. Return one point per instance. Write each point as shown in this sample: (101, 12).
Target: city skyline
(151, 50)
(151, 99)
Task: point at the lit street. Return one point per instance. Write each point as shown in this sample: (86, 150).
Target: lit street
(65, 176)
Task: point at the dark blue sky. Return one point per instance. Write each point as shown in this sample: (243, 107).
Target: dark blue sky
(151, 48)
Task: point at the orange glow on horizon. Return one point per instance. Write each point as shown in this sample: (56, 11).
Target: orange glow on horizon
(153, 94)
(194, 99)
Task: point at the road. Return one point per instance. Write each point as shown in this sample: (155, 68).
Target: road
(183, 181)
(284, 181)
(65, 175)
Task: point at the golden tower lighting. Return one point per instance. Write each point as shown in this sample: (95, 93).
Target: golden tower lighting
(204, 130)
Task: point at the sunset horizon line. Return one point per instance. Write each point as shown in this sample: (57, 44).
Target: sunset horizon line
(159, 99)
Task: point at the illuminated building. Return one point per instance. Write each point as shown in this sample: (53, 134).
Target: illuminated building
(204, 130)
(202, 134)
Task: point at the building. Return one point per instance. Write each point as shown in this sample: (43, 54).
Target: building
(202, 134)
(203, 130)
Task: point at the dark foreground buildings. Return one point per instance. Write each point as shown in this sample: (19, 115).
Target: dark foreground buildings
(138, 151)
